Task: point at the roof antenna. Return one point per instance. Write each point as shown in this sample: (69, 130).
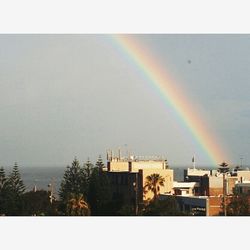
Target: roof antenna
(193, 160)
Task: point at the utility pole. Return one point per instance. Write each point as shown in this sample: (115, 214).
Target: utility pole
(224, 169)
(135, 184)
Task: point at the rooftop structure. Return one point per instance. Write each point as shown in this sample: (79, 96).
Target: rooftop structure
(133, 163)
(185, 188)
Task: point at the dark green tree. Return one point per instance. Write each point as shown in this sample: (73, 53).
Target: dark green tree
(99, 163)
(239, 205)
(15, 183)
(88, 168)
(3, 192)
(168, 207)
(15, 188)
(127, 210)
(37, 203)
(74, 181)
(74, 184)
(99, 192)
(3, 179)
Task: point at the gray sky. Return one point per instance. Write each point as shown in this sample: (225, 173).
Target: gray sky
(76, 95)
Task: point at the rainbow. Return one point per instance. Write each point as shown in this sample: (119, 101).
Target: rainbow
(171, 96)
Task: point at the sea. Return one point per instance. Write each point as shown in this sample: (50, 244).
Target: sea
(42, 177)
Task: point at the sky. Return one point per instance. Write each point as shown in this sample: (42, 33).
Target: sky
(66, 96)
(48, 91)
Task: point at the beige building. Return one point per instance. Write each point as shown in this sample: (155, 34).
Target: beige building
(243, 175)
(136, 170)
(185, 188)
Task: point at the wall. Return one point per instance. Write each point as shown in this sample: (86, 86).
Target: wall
(231, 184)
(122, 186)
(118, 166)
(136, 165)
(214, 206)
(167, 174)
(244, 175)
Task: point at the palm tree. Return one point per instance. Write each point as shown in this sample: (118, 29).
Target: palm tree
(153, 183)
(77, 206)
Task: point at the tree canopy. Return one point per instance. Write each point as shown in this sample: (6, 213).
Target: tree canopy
(11, 190)
(168, 207)
(153, 183)
(238, 205)
(99, 193)
(74, 187)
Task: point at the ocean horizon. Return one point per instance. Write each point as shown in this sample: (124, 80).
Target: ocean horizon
(42, 176)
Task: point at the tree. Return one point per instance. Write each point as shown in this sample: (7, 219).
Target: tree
(239, 205)
(99, 192)
(74, 184)
(3, 191)
(37, 203)
(15, 183)
(153, 183)
(99, 163)
(168, 207)
(126, 210)
(88, 168)
(15, 188)
(2, 179)
(77, 206)
(74, 181)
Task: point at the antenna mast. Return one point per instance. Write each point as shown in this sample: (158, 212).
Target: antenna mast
(193, 160)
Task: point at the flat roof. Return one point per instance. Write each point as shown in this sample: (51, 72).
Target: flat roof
(177, 184)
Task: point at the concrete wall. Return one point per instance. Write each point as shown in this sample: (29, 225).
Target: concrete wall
(167, 174)
(197, 172)
(243, 175)
(215, 182)
(136, 165)
(118, 166)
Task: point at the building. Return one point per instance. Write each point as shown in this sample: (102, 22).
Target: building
(194, 174)
(127, 187)
(185, 188)
(128, 176)
(198, 205)
(202, 190)
(211, 181)
(243, 175)
(242, 187)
